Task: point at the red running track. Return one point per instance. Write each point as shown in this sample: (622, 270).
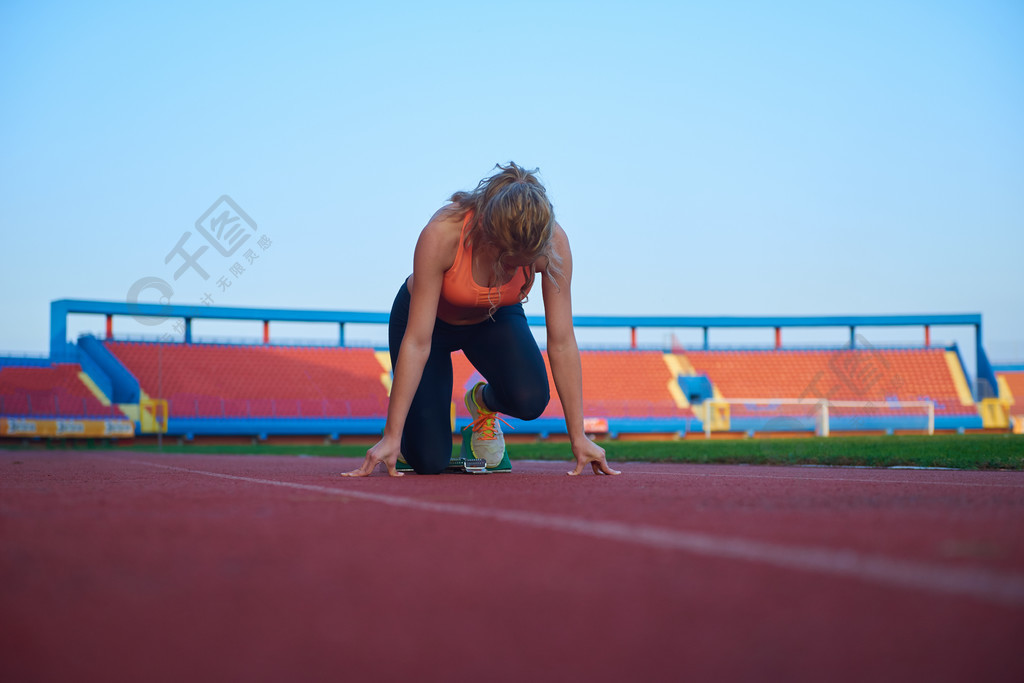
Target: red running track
(129, 567)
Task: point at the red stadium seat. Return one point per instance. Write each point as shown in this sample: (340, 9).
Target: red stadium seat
(258, 381)
(207, 380)
(50, 391)
(877, 375)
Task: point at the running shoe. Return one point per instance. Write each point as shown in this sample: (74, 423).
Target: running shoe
(487, 441)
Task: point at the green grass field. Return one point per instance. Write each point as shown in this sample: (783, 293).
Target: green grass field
(971, 451)
(981, 451)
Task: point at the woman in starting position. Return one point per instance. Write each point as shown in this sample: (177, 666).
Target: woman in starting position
(474, 264)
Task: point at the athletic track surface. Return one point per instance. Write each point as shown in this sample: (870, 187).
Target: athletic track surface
(147, 567)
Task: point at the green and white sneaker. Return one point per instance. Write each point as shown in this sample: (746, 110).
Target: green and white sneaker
(485, 440)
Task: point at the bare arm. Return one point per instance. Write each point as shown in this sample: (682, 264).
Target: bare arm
(564, 355)
(433, 256)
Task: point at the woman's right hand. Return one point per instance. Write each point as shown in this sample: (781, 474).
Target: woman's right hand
(386, 451)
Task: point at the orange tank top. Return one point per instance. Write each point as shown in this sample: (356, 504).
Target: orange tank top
(460, 290)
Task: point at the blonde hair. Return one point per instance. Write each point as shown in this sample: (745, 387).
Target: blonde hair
(511, 210)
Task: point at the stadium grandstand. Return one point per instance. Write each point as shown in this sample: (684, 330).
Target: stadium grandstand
(99, 386)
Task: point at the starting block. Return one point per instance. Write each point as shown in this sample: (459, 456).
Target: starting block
(468, 465)
(466, 462)
(459, 464)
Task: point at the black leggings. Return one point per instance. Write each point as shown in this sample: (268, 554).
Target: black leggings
(502, 349)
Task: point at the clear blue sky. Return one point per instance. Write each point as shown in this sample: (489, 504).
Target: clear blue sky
(724, 158)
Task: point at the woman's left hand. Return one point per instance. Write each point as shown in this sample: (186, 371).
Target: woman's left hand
(588, 451)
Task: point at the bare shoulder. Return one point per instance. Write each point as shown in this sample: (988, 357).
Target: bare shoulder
(446, 221)
(558, 237)
(439, 239)
(559, 247)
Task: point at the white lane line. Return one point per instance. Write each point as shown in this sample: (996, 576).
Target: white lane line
(988, 585)
(627, 470)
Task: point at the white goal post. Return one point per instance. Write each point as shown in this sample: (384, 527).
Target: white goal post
(820, 407)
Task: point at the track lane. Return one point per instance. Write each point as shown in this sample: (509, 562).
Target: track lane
(136, 571)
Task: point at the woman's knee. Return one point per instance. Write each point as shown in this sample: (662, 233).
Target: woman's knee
(537, 403)
(428, 461)
(429, 467)
(428, 449)
(526, 402)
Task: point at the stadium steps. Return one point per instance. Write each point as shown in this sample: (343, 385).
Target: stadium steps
(1011, 385)
(678, 366)
(956, 372)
